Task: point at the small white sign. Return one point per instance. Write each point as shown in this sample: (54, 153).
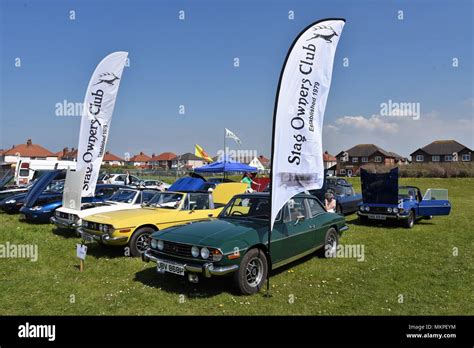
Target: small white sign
(81, 251)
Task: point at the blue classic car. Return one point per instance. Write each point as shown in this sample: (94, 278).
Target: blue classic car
(39, 204)
(384, 200)
(347, 201)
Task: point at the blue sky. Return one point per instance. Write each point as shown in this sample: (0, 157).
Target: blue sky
(190, 63)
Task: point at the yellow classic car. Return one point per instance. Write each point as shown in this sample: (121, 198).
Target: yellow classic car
(133, 227)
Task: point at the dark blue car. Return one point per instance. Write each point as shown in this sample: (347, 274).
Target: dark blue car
(383, 199)
(40, 207)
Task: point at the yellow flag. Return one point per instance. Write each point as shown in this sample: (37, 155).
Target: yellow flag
(199, 152)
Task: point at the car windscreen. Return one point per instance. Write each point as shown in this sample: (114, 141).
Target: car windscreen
(169, 200)
(247, 207)
(56, 187)
(123, 196)
(406, 193)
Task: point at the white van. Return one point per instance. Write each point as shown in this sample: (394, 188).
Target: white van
(28, 170)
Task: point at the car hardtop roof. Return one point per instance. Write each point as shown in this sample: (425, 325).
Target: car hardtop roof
(109, 185)
(137, 188)
(267, 194)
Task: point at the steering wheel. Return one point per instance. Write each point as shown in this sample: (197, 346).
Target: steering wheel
(237, 213)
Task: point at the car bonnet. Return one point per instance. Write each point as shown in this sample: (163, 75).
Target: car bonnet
(39, 187)
(379, 188)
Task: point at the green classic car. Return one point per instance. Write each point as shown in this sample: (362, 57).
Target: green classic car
(236, 242)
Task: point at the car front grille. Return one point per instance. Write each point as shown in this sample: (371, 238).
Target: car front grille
(382, 210)
(91, 225)
(64, 215)
(177, 249)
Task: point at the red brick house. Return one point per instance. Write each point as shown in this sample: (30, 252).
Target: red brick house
(350, 161)
(165, 160)
(141, 160)
(113, 160)
(28, 151)
(442, 151)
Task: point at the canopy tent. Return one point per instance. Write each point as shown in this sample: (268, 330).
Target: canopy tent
(226, 166)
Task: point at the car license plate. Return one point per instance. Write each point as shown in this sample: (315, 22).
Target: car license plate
(377, 217)
(170, 267)
(87, 237)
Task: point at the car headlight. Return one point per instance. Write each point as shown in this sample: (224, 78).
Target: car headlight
(395, 210)
(361, 208)
(154, 243)
(367, 208)
(161, 245)
(195, 251)
(38, 207)
(10, 201)
(389, 210)
(205, 253)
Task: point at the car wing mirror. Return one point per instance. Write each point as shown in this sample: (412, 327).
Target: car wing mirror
(299, 218)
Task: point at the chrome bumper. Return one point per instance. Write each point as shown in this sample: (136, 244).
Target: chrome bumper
(387, 216)
(63, 222)
(206, 269)
(104, 238)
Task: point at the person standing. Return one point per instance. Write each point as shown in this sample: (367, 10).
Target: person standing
(330, 202)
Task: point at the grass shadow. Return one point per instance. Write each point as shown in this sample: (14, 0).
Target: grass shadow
(206, 288)
(98, 251)
(65, 233)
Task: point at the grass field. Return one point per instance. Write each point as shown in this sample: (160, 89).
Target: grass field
(415, 267)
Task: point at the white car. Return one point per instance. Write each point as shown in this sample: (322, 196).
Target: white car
(124, 198)
(155, 184)
(118, 179)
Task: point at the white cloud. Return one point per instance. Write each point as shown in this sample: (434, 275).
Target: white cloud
(372, 124)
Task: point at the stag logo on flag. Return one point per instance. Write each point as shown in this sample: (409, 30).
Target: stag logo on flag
(324, 32)
(107, 78)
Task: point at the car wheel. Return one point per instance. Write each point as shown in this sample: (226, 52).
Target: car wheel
(363, 219)
(252, 273)
(331, 241)
(410, 221)
(139, 242)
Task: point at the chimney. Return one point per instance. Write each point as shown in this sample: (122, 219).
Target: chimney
(28, 142)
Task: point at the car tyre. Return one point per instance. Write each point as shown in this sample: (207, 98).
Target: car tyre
(252, 273)
(139, 241)
(363, 220)
(331, 241)
(410, 221)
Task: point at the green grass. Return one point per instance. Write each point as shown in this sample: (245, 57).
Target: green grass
(417, 264)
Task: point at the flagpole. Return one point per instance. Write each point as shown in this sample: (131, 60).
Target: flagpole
(224, 151)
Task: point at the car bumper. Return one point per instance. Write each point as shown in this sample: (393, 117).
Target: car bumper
(387, 216)
(207, 269)
(103, 238)
(29, 216)
(63, 223)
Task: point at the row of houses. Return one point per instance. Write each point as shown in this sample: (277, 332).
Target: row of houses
(165, 160)
(349, 162)
(345, 163)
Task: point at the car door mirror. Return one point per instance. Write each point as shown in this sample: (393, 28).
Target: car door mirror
(299, 218)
